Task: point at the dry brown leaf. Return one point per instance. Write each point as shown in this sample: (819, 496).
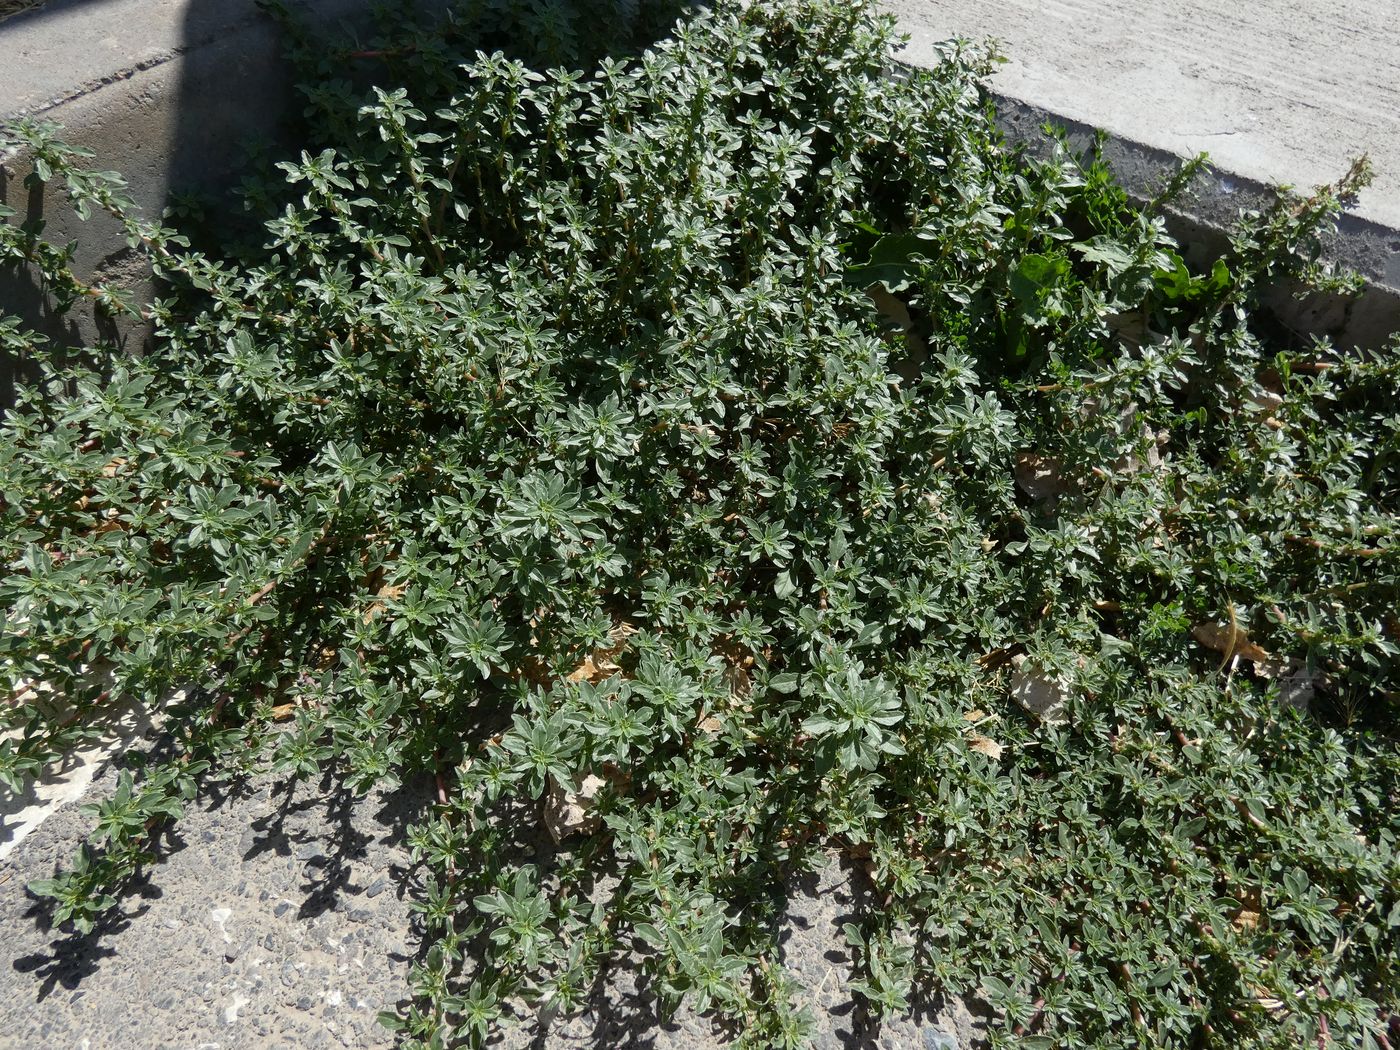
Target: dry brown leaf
(1250, 911)
(985, 745)
(974, 716)
(739, 681)
(387, 593)
(601, 664)
(1245, 919)
(995, 658)
(1229, 640)
(594, 669)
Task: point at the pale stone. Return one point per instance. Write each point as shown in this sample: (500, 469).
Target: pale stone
(1041, 695)
(571, 813)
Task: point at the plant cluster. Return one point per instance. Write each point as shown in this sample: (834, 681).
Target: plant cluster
(738, 450)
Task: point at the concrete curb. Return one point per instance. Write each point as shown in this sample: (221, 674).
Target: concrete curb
(168, 92)
(1277, 91)
(1202, 219)
(146, 84)
(1282, 91)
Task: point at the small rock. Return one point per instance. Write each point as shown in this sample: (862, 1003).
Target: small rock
(377, 887)
(567, 814)
(231, 1011)
(1042, 696)
(1039, 477)
(221, 917)
(1296, 684)
(282, 908)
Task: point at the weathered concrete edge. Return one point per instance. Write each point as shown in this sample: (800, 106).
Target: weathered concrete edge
(104, 43)
(129, 105)
(43, 104)
(167, 92)
(1215, 198)
(1204, 216)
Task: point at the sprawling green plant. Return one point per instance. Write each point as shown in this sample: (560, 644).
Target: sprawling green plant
(731, 456)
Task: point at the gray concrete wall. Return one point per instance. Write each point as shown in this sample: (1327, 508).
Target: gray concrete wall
(167, 91)
(1277, 92)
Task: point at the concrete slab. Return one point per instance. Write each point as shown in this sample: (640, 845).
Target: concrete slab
(21, 813)
(1278, 91)
(276, 921)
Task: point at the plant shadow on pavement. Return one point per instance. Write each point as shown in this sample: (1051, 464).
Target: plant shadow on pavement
(73, 957)
(340, 837)
(329, 827)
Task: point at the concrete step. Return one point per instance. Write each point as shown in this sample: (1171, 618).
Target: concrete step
(1277, 91)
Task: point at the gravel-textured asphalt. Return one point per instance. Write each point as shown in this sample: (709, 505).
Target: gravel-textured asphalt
(282, 921)
(274, 922)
